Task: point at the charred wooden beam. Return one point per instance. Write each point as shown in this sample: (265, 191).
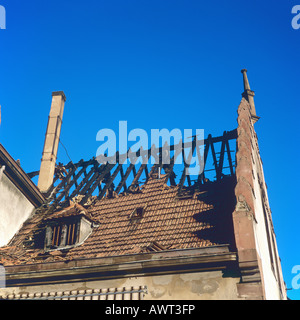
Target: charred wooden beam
(97, 171)
(144, 154)
(101, 176)
(110, 182)
(169, 169)
(229, 157)
(187, 165)
(86, 178)
(63, 183)
(75, 181)
(86, 181)
(123, 180)
(221, 159)
(138, 174)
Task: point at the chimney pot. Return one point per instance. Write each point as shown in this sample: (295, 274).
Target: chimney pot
(59, 93)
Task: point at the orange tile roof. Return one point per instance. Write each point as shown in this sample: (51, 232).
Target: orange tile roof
(167, 223)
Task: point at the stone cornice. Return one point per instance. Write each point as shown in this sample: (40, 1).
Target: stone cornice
(200, 259)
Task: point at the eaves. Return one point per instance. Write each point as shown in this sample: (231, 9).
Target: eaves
(145, 264)
(20, 179)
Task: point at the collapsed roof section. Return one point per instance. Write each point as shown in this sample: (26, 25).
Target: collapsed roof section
(134, 208)
(167, 223)
(95, 209)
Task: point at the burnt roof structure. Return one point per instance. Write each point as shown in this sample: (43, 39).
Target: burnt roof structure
(104, 221)
(177, 213)
(90, 180)
(200, 219)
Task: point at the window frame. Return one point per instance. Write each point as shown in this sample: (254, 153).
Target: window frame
(62, 233)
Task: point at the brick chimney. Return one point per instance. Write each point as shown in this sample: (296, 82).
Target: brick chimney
(51, 141)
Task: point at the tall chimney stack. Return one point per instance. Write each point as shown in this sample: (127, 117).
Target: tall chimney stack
(51, 141)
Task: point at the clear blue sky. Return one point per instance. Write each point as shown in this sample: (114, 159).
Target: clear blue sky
(157, 64)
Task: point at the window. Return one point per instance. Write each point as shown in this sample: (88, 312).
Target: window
(64, 235)
(66, 232)
(137, 212)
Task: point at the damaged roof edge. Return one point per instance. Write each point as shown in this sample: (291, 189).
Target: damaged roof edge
(20, 179)
(200, 259)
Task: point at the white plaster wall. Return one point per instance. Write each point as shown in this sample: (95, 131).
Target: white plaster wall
(271, 285)
(186, 286)
(14, 209)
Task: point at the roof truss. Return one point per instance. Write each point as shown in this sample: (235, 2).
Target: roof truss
(85, 179)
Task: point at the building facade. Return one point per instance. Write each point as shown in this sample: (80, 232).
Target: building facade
(114, 232)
